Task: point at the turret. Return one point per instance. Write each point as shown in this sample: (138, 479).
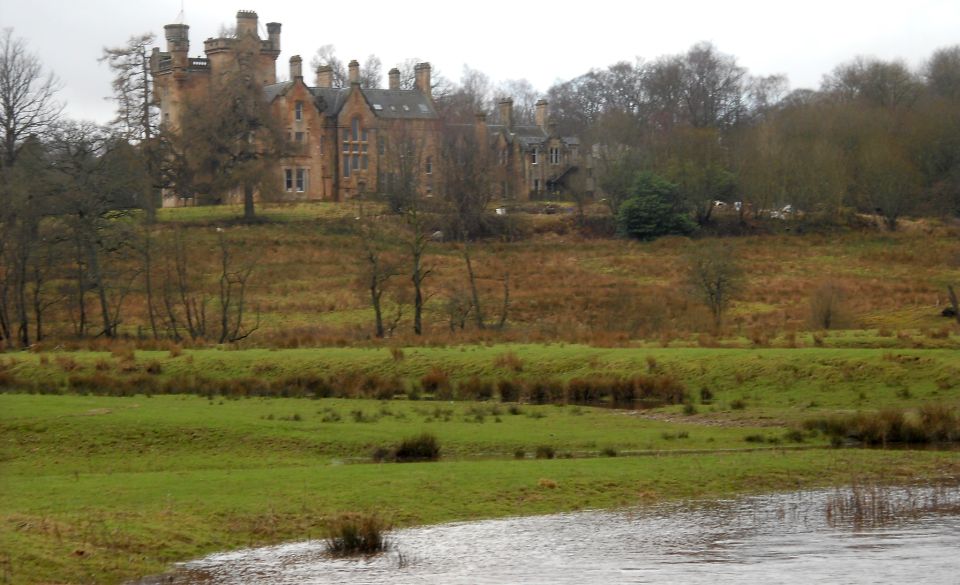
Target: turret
(178, 43)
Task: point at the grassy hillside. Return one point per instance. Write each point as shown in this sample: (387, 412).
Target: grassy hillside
(308, 287)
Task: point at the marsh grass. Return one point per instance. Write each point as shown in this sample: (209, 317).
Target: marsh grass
(930, 423)
(874, 505)
(354, 534)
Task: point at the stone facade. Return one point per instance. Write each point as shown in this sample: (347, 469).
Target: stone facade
(349, 140)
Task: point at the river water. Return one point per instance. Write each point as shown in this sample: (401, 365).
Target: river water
(894, 536)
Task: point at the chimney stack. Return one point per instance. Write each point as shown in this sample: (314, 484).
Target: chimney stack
(324, 76)
(542, 114)
(273, 33)
(422, 76)
(354, 72)
(506, 112)
(394, 78)
(247, 23)
(481, 132)
(296, 68)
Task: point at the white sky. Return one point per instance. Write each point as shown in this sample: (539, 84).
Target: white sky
(542, 41)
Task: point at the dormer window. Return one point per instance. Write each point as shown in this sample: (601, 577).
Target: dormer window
(298, 111)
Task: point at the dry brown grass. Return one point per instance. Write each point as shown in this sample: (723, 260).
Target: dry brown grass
(604, 292)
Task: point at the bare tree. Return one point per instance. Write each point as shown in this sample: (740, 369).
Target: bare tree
(524, 96)
(714, 278)
(95, 184)
(327, 55)
(27, 96)
(881, 83)
(942, 72)
(371, 74)
(379, 268)
(233, 289)
(184, 299)
(137, 116)
(417, 243)
(474, 94)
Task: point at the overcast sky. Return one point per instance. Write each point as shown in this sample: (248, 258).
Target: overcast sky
(542, 41)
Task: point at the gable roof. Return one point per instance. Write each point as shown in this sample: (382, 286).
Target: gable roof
(330, 100)
(400, 103)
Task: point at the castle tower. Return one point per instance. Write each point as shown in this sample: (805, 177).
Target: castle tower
(178, 44)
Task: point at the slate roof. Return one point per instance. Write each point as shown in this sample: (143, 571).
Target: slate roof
(386, 103)
(330, 99)
(400, 103)
(273, 90)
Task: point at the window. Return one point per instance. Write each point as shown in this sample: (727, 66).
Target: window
(428, 168)
(301, 180)
(298, 137)
(298, 111)
(536, 185)
(533, 155)
(554, 156)
(355, 148)
(288, 179)
(381, 146)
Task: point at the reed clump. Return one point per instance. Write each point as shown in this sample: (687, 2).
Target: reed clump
(354, 534)
(931, 423)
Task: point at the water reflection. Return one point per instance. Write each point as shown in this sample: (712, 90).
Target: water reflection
(783, 538)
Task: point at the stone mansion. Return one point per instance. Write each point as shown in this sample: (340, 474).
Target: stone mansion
(343, 136)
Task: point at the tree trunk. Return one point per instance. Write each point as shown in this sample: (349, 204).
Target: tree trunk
(248, 210)
(417, 300)
(377, 312)
(108, 326)
(477, 313)
(954, 302)
(148, 275)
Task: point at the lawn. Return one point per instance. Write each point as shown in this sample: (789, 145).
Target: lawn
(99, 488)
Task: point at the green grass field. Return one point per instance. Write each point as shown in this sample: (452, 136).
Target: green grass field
(97, 488)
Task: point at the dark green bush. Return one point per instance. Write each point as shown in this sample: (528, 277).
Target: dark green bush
(424, 447)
